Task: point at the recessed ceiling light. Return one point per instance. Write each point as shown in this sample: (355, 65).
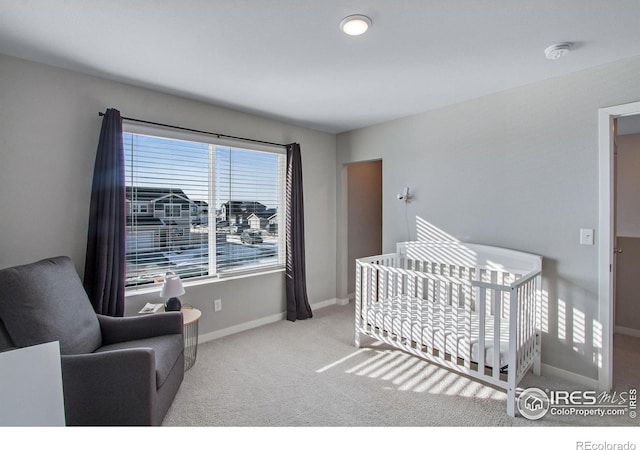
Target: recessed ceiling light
(355, 25)
(557, 50)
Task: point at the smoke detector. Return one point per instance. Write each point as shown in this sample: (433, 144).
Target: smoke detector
(557, 50)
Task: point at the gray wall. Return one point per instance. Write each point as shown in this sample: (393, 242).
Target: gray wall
(49, 128)
(516, 169)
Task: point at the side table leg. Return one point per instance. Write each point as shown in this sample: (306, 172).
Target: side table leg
(190, 344)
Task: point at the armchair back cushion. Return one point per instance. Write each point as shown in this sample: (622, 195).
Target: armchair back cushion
(45, 301)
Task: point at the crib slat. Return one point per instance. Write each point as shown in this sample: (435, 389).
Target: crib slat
(457, 332)
(482, 302)
(427, 315)
(442, 327)
(496, 334)
(466, 340)
(408, 309)
(416, 330)
(523, 330)
(496, 307)
(529, 317)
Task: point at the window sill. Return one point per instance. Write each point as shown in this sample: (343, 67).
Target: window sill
(154, 288)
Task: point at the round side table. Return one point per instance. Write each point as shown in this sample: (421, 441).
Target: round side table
(190, 317)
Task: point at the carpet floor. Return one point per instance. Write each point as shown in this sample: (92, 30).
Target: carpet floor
(309, 374)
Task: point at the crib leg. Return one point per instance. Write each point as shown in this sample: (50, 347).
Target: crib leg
(357, 339)
(511, 402)
(537, 363)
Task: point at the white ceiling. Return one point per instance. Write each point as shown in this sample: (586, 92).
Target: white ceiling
(287, 59)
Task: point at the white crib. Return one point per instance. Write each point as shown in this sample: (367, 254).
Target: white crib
(471, 308)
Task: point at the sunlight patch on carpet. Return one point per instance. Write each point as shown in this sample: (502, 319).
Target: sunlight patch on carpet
(409, 373)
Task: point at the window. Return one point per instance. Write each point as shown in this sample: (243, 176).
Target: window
(222, 188)
(141, 208)
(172, 210)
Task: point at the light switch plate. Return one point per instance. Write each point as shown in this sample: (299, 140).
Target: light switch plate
(586, 236)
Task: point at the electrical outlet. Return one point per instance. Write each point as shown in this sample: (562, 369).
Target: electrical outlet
(217, 305)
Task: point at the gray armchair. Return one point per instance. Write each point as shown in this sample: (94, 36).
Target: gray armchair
(115, 370)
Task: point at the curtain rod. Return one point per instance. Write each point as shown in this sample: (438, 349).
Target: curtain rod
(219, 135)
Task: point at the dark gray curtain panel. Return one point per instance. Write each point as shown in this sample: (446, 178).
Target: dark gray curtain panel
(297, 301)
(104, 270)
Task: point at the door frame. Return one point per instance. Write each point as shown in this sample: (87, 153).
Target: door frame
(606, 234)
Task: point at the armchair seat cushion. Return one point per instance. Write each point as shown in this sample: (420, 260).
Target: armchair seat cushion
(167, 351)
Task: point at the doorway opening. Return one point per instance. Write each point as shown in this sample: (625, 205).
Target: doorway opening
(363, 211)
(607, 234)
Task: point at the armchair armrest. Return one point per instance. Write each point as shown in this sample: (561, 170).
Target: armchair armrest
(121, 329)
(116, 387)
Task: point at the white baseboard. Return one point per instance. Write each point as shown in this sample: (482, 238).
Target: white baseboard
(264, 321)
(324, 303)
(572, 377)
(627, 331)
(241, 327)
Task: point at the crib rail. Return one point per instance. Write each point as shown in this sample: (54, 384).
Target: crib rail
(481, 321)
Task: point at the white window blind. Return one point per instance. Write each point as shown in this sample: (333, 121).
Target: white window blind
(200, 208)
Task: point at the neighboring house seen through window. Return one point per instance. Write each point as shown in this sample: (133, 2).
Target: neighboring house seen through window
(189, 200)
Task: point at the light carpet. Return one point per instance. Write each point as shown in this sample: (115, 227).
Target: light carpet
(309, 374)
